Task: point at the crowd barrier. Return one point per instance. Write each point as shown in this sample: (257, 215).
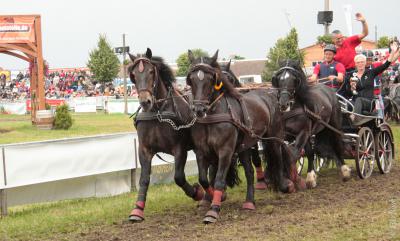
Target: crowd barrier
(70, 168)
(78, 104)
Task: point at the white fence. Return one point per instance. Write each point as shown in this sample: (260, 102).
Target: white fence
(80, 104)
(75, 168)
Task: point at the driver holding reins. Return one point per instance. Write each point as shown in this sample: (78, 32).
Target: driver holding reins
(329, 72)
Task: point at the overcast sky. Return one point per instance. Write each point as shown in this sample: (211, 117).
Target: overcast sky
(170, 27)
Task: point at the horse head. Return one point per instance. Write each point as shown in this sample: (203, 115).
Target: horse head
(288, 80)
(204, 79)
(143, 73)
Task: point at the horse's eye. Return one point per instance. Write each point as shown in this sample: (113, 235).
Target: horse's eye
(151, 71)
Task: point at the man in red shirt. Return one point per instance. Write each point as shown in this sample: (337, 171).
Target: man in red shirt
(329, 72)
(345, 47)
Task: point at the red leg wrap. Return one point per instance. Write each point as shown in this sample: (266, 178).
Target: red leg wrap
(217, 198)
(140, 204)
(210, 191)
(260, 173)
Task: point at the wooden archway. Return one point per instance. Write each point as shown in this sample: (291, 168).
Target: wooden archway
(21, 37)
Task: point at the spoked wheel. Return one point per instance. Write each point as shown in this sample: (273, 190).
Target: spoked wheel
(300, 165)
(365, 153)
(384, 151)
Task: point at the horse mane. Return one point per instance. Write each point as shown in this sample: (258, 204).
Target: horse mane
(164, 71)
(227, 85)
(236, 82)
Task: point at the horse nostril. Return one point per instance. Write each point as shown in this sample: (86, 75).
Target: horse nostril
(148, 102)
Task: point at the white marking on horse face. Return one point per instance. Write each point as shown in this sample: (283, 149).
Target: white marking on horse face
(286, 75)
(200, 75)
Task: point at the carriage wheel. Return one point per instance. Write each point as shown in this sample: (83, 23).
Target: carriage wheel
(365, 153)
(384, 151)
(300, 165)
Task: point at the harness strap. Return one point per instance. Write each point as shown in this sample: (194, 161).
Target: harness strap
(318, 118)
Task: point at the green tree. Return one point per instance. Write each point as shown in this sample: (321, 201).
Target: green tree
(324, 39)
(285, 48)
(103, 62)
(183, 61)
(383, 42)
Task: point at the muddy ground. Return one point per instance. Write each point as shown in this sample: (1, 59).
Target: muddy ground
(355, 210)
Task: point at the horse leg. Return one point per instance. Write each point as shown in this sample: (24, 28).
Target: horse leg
(244, 158)
(337, 145)
(205, 202)
(255, 158)
(203, 179)
(301, 141)
(145, 157)
(224, 161)
(195, 191)
(275, 168)
(311, 180)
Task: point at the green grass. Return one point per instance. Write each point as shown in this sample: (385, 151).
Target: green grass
(45, 221)
(16, 128)
(66, 220)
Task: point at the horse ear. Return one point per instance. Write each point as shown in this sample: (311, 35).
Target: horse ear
(214, 57)
(149, 54)
(190, 55)
(228, 66)
(132, 57)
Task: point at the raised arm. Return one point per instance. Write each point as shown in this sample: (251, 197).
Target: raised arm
(394, 55)
(361, 18)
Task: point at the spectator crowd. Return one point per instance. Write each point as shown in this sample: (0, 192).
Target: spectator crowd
(61, 84)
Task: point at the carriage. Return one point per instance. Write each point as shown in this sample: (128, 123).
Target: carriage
(367, 139)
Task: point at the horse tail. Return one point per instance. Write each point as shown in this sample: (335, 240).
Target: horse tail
(232, 178)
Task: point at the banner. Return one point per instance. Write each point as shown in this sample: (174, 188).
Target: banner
(17, 29)
(16, 108)
(85, 104)
(51, 102)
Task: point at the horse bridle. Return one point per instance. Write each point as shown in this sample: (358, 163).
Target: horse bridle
(210, 70)
(142, 60)
(290, 92)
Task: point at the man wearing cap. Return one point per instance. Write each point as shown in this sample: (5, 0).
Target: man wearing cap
(329, 72)
(345, 47)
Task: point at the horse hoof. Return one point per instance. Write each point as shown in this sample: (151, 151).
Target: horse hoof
(261, 185)
(290, 187)
(136, 216)
(346, 173)
(211, 217)
(300, 184)
(249, 206)
(311, 180)
(199, 192)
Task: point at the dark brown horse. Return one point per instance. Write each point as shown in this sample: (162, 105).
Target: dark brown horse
(299, 101)
(229, 123)
(161, 104)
